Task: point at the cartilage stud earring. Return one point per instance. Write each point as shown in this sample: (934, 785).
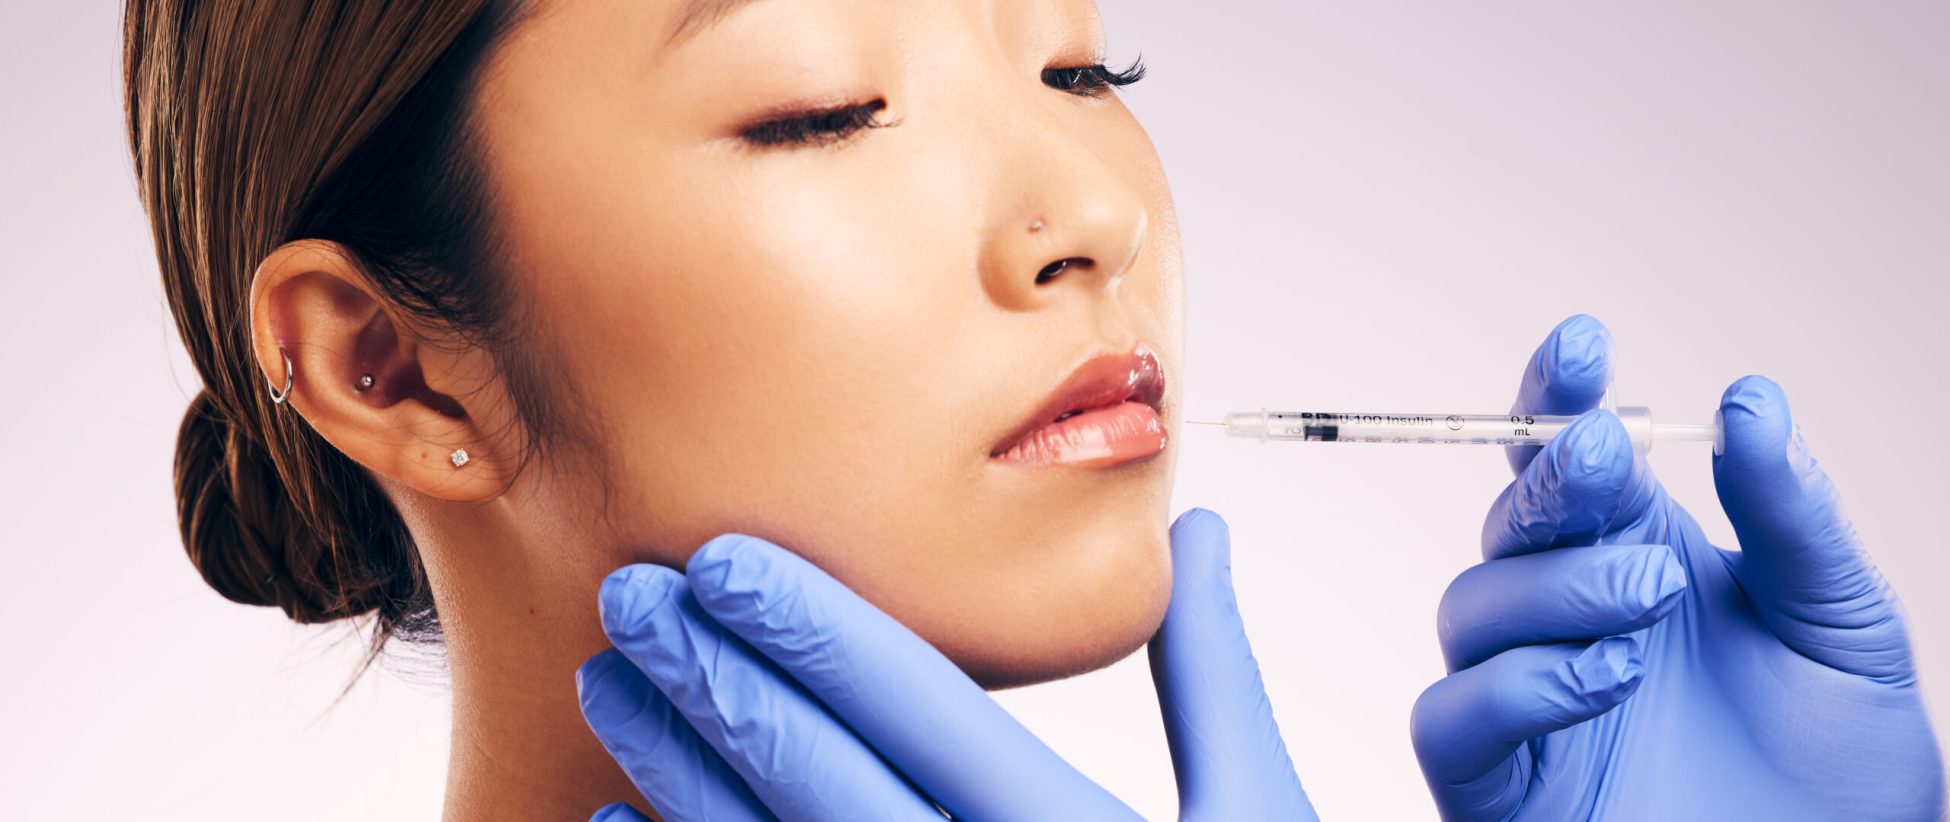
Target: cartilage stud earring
(459, 457)
(365, 382)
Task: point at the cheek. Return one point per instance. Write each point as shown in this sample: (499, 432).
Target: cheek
(757, 355)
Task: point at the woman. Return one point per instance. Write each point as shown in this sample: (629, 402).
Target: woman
(491, 297)
(549, 288)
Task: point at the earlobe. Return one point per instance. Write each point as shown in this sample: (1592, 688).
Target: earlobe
(358, 370)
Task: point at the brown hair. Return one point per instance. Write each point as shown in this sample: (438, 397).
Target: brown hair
(258, 122)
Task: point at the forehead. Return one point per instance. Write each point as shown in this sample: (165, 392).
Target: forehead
(692, 16)
(672, 23)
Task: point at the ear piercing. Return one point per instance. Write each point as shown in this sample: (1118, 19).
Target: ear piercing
(1035, 225)
(366, 381)
(459, 457)
(278, 397)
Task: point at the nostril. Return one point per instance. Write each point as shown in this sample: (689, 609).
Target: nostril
(1051, 271)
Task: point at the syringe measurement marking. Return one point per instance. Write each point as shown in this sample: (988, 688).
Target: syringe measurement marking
(1324, 426)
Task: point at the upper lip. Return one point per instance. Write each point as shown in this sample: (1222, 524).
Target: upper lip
(1099, 381)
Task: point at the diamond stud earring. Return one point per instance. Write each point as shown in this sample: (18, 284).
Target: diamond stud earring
(459, 457)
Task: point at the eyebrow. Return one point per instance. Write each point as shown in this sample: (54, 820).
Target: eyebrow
(697, 15)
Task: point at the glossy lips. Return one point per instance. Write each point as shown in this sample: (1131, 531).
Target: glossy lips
(1105, 413)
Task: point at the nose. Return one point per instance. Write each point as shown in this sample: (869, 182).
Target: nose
(1065, 221)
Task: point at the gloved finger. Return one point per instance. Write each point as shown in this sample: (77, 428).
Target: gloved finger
(1801, 562)
(1556, 596)
(620, 812)
(892, 688)
(1585, 480)
(799, 760)
(1225, 746)
(1567, 375)
(681, 776)
(1469, 728)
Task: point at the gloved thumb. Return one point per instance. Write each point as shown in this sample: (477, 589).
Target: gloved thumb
(1567, 375)
(1225, 747)
(1801, 562)
(618, 812)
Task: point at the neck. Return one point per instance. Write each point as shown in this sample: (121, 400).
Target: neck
(517, 623)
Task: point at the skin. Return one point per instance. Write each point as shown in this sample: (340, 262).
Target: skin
(819, 345)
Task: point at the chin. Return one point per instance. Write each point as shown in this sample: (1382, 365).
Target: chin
(1046, 629)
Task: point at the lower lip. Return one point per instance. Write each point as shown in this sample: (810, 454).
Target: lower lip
(1111, 435)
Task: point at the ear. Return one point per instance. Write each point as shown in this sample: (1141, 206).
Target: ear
(312, 302)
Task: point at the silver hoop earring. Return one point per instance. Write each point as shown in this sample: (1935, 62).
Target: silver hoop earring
(278, 397)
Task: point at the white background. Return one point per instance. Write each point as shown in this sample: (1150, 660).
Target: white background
(1385, 205)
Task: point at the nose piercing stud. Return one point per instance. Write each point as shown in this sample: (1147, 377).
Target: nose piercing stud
(365, 382)
(1035, 225)
(459, 457)
(278, 397)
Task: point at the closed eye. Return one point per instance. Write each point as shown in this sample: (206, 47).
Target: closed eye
(820, 127)
(1091, 81)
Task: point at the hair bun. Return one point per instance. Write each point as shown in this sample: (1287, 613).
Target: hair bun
(238, 526)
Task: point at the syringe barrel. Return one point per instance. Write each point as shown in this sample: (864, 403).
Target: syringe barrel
(1470, 429)
(1334, 426)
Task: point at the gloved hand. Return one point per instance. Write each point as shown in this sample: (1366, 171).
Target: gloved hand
(754, 687)
(1645, 674)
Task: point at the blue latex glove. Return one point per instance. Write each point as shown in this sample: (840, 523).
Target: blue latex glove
(1647, 674)
(756, 687)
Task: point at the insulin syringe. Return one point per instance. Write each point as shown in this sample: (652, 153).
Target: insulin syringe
(1476, 429)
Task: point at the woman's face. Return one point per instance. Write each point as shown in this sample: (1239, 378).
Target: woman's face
(823, 335)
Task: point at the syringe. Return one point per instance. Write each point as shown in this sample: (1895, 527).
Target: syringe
(1476, 429)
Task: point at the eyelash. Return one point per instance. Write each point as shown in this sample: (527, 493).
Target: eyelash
(816, 127)
(1091, 81)
(836, 124)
